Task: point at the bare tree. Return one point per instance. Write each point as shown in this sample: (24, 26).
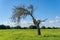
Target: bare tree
(22, 12)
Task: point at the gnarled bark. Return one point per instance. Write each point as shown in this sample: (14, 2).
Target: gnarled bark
(36, 23)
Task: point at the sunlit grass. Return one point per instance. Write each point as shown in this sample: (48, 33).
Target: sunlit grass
(29, 34)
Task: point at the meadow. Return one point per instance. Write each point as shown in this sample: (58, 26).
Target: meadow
(29, 34)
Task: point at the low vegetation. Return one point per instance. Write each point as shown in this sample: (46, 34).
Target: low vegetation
(30, 27)
(29, 34)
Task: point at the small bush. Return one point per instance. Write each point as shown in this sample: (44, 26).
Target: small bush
(17, 27)
(32, 27)
(43, 27)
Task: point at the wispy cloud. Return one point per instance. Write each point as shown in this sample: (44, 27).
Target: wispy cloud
(55, 22)
(25, 23)
(57, 17)
(50, 23)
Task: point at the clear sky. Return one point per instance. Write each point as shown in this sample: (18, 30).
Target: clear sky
(49, 9)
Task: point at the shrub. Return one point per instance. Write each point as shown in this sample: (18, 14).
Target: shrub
(17, 27)
(32, 27)
(43, 27)
(2, 27)
(25, 28)
(49, 28)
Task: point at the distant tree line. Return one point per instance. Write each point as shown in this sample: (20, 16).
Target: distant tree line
(4, 27)
(30, 27)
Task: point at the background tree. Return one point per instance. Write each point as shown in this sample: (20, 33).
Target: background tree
(53, 27)
(49, 28)
(17, 27)
(43, 27)
(8, 27)
(25, 28)
(32, 27)
(4, 27)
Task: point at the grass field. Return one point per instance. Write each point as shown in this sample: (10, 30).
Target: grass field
(29, 34)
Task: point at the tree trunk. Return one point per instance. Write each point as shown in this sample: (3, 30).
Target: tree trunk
(38, 30)
(36, 24)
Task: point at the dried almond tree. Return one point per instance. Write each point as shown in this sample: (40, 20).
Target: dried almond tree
(22, 12)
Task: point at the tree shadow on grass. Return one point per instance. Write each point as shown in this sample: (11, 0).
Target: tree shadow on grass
(51, 36)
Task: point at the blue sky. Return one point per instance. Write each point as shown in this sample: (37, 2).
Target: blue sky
(49, 9)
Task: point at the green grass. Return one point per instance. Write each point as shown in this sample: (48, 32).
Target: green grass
(29, 34)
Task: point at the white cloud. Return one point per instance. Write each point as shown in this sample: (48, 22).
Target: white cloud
(26, 23)
(55, 22)
(57, 17)
(8, 23)
(23, 23)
